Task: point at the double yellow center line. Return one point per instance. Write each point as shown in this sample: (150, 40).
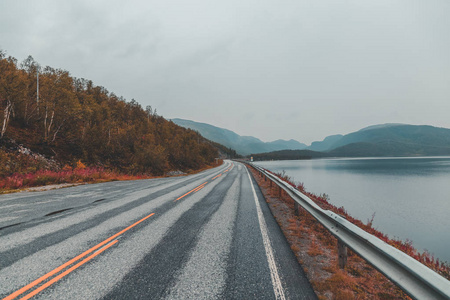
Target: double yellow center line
(193, 190)
(202, 185)
(217, 176)
(70, 262)
(84, 258)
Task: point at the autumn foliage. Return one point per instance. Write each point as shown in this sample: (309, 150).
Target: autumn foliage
(316, 250)
(78, 124)
(77, 175)
(406, 246)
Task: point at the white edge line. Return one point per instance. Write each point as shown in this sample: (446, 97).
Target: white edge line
(276, 281)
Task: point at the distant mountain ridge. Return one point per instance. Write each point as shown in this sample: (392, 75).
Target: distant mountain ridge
(377, 141)
(335, 141)
(392, 139)
(243, 145)
(326, 144)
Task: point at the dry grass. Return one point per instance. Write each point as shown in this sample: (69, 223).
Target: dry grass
(442, 268)
(79, 174)
(316, 251)
(49, 177)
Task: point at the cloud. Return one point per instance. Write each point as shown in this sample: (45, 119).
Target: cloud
(262, 68)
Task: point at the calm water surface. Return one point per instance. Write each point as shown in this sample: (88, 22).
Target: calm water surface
(409, 196)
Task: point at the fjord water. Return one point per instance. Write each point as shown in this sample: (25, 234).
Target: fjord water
(409, 196)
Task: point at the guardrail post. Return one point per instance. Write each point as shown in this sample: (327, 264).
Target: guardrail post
(265, 178)
(296, 209)
(414, 278)
(279, 191)
(342, 253)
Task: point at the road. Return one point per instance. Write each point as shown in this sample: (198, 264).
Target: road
(205, 236)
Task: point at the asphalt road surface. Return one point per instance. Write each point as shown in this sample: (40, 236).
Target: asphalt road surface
(205, 236)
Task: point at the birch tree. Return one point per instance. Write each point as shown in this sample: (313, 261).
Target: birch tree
(11, 90)
(59, 102)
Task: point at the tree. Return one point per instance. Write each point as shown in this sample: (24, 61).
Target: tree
(29, 110)
(74, 119)
(59, 102)
(11, 90)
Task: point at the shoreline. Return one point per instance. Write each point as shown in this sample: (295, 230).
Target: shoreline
(316, 248)
(406, 195)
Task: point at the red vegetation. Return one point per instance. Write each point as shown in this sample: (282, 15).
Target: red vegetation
(316, 250)
(425, 258)
(72, 119)
(77, 175)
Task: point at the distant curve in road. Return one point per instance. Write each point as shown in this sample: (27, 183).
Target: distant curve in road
(205, 236)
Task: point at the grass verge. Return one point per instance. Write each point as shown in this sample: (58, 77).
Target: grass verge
(316, 250)
(81, 174)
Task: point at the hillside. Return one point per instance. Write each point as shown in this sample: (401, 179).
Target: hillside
(394, 140)
(289, 155)
(326, 144)
(243, 145)
(376, 141)
(75, 121)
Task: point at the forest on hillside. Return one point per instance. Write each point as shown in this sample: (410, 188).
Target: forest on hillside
(71, 120)
(288, 155)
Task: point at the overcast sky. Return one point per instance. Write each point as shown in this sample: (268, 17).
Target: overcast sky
(300, 69)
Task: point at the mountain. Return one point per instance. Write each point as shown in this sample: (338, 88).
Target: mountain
(394, 140)
(334, 141)
(326, 144)
(244, 145)
(380, 126)
(289, 155)
(377, 141)
(283, 145)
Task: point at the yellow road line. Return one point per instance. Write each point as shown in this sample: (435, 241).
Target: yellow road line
(193, 190)
(63, 266)
(217, 176)
(55, 279)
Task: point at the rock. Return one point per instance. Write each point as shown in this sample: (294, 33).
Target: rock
(175, 173)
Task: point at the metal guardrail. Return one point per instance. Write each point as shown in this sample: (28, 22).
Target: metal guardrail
(414, 278)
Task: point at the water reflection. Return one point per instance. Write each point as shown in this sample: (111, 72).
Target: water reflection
(410, 196)
(375, 166)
